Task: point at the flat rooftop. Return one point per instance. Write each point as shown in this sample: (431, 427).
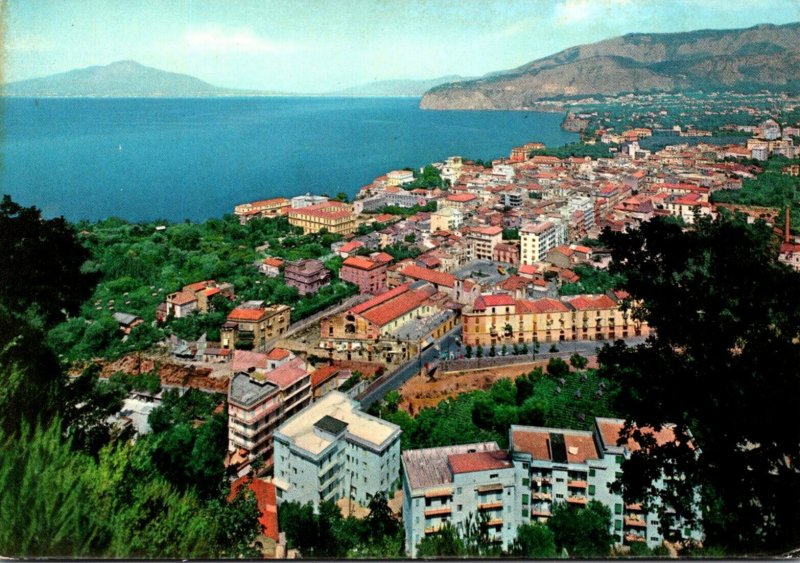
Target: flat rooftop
(430, 467)
(246, 392)
(367, 428)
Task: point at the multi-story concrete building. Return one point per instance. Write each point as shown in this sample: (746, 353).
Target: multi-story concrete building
(369, 275)
(334, 216)
(507, 251)
(543, 467)
(306, 275)
(332, 450)
(482, 241)
(447, 219)
(537, 238)
(259, 401)
(512, 198)
(452, 484)
(400, 198)
(399, 177)
(254, 324)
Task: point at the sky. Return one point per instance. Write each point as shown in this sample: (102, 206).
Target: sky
(315, 46)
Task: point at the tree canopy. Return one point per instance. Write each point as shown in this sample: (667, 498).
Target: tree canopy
(722, 366)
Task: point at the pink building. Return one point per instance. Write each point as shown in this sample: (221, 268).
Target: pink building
(368, 275)
(306, 275)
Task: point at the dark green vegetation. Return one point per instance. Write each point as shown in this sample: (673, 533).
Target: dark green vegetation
(721, 365)
(407, 211)
(139, 265)
(592, 280)
(429, 178)
(598, 150)
(559, 398)
(327, 534)
(769, 189)
(68, 485)
(579, 533)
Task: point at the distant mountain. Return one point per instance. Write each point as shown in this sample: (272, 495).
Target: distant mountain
(127, 79)
(760, 57)
(407, 88)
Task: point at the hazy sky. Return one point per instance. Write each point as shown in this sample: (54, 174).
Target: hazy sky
(323, 45)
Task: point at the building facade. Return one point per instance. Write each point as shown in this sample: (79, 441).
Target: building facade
(536, 239)
(306, 275)
(542, 468)
(369, 275)
(332, 450)
(260, 401)
(482, 241)
(334, 216)
(253, 324)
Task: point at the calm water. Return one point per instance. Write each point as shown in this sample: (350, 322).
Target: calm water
(145, 159)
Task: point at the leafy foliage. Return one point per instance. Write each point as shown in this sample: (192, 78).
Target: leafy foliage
(726, 316)
(583, 532)
(534, 541)
(593, 280)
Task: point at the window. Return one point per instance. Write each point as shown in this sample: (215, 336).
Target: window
(687, 532)
(524, 466)
(591, 473)
(458, 491)
(559, 480)
(620, 459)
(618, 525)
(526, 482)
(524, 512)
(525, 499)
(618, 475)
(591, 490)
(618, 508)
(559, 496)
(493, 476)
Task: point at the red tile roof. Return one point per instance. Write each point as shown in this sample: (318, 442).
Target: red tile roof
(497, 300)
(274, 262)
(278, 354)
(265, 498)
(351, 246)
(536, 442)
(542, 306)
(478, 461)
(396, 307)
(591, 302)
(378, 299)
(433, 276)
(242, 314)
(287, 374)
(197, 286)
(182, 298)
(323, 374)
(462, 198)
(245, 359)
(360, 263)
(610, 428)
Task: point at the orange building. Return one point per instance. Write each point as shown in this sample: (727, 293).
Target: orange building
(500, 319)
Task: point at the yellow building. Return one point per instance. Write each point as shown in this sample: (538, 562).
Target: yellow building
(500, 319)
(254, 324)
(264, 208)
(335, 216)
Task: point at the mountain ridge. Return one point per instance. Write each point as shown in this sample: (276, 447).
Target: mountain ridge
(764, 55)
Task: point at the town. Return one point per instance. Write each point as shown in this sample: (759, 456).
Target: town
(345, 321)
(423, 358)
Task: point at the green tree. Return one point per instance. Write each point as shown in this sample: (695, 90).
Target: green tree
(42, 268)
(577, 361)
(45, 505)
(556, 367)
(236, 525)
(535, 541)
(583, 532)
(445, 543)
(726, 321)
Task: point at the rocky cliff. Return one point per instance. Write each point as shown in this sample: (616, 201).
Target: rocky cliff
(764, 56)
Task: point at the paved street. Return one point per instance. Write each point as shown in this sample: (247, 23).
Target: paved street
(449, 346)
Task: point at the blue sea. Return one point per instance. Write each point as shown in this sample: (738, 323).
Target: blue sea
(177, 159)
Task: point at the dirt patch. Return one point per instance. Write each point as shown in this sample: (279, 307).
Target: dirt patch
(184, 375)
(420, 391)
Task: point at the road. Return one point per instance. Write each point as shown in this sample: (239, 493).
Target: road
(376, 391)
(450, 343)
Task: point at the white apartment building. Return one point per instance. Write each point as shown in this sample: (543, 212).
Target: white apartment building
(332, 450)
(454, 483)
(307, 200)
(536, 240)
(482, 241)
(543, 466)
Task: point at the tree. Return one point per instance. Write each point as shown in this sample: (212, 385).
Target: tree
(556, 367)
(380, 521)
(577, 361)
(468, 351)
(504, 350)
(534, 541)
(41, 270)
(236, 525)
(444, 543)
(726, 318)
(479, 352)
(583, 532)
(492, 351)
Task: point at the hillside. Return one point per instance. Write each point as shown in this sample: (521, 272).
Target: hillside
(764, 56)
(409, 88)
(119, 79)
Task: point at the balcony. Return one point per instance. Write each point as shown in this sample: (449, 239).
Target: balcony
(433, 529)
(495, 522)
(490, 505)
(635, 538)
(578, 500)
(541, 496)
(635, 522)
(540, 513)
(441, 511)
(494, 487)
(635, 507)
(577, 484)
(434, 493)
